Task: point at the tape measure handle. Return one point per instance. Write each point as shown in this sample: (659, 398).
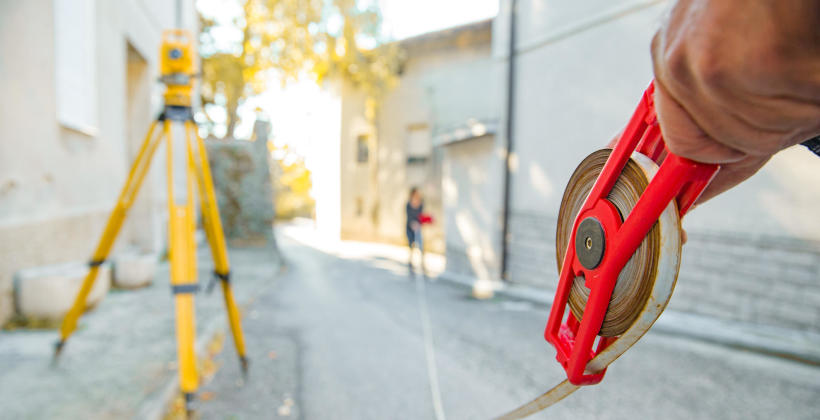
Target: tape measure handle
(700, 175)
(696, 176)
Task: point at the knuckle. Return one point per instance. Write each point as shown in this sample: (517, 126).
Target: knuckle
(670, 60)
(680, 146)
(711, 70)
(677, 64)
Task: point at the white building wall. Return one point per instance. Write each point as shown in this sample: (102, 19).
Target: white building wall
(576, 86)
(57, 184)
(325, 162)
(472, 189)
(581, 68)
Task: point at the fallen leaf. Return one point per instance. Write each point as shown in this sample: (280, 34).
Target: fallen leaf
(284, 410)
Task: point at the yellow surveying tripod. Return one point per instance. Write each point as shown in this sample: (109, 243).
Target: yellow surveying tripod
(177, 70)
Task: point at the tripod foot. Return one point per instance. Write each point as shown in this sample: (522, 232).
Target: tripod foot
(190, 410)
(243, 361)
(58, 349)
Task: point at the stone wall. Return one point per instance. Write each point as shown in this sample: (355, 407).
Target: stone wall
(531, 250)
(735, 276)
(241, 173)
(759, 279)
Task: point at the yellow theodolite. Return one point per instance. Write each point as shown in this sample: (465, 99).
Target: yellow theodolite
(187, 165)
(177, 67)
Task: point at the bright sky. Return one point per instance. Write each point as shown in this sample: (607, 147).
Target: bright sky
(405, 18)
(401, 18)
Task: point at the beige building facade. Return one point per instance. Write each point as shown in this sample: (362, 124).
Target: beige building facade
(441, 92)
(79, 82)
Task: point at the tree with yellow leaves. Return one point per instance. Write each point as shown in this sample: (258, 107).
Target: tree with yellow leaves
(292, 186)
(328, 39)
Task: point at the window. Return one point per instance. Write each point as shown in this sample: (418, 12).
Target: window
(419, 144)
(359, 206)
(75, 62)
(362, 148)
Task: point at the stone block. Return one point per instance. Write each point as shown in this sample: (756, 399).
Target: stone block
(133, 270)
(48, 292)
(244, 193)
(6, 307)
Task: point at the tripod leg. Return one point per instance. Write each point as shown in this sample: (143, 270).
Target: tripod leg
(183, 273)
(126, 198)
(216, 240)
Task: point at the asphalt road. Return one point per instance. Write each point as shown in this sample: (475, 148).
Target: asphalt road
(344, 338)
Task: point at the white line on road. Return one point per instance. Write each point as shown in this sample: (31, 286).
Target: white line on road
(429, 349)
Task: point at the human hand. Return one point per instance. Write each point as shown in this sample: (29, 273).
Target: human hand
(737, 81)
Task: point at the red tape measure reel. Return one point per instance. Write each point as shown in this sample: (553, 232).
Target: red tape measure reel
(604, 236)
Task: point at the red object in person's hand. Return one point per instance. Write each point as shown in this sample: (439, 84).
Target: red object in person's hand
(425, 219)
(677, 179)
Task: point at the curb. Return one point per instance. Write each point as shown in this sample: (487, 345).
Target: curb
(155, 406)
(797, 345)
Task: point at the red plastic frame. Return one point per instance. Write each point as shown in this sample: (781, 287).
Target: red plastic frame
(677, 178)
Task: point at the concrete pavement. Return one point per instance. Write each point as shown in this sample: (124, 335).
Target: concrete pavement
(354, 319)
(120, 363)
(340, 335)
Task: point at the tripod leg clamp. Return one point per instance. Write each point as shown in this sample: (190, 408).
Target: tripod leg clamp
(224, 277)
(184, 288)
